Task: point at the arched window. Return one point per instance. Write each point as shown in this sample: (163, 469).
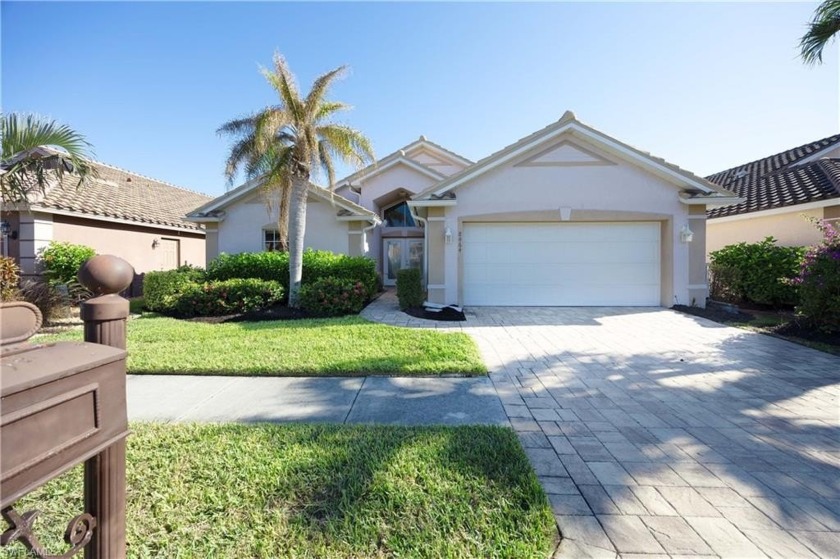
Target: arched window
(398, 216)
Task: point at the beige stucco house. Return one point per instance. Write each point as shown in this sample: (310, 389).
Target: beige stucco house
(565, 216)
(119, 212)
(780, 192)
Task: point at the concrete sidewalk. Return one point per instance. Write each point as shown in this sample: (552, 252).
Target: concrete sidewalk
(402, 401)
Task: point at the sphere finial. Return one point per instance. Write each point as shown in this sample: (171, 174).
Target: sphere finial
(105, 274)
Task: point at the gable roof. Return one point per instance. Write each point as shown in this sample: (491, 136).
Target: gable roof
(214, 209)
(122, 195)
(399, 157)
(568, 123)
(788, 178)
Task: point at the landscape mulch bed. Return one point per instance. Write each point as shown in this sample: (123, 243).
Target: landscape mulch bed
(278, 312)
(446, 314)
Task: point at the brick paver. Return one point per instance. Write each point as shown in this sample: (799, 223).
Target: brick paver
(683, 437)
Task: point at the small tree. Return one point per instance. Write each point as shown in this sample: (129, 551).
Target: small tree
(819, 281)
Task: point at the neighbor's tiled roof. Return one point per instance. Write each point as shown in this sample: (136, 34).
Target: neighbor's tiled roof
(117, 193)
(781, 180)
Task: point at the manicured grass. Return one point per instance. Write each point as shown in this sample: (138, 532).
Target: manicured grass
(336, 346)
(320, 491)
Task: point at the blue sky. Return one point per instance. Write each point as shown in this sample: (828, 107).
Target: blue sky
(705, 85)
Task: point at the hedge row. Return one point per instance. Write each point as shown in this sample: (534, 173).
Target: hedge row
(317, 264)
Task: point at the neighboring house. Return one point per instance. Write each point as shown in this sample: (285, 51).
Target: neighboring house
(119, 212)
(564, 216)
(779, 192)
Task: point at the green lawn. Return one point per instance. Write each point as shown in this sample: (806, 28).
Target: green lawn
(332, 346)
(319, 492)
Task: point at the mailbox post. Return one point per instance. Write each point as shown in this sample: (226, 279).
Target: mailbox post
(65, 404)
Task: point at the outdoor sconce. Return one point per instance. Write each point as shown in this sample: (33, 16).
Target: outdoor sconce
(155, 243)
(5, 227)
(447, 235)
(686, 234)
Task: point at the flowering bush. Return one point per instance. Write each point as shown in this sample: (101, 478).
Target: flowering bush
(819, 281)
(332, 296)
(227, 297)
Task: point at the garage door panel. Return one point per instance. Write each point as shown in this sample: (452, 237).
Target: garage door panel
(563, 264)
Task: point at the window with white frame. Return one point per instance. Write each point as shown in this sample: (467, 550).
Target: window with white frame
(398, 216)
(271, 240)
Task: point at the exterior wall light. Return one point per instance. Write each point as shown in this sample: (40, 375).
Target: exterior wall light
(447, 235)
(155, 243)
(686, 234)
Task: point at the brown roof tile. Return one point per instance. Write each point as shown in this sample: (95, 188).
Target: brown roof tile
(121, 194)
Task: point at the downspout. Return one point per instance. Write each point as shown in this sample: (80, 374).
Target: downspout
(364, 233)
(425, 246)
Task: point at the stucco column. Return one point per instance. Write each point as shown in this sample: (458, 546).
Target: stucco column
(355, 238)
(211, 241)
(436, 244)
(698, 289)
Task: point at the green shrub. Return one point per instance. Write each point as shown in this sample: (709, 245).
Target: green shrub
(317, 264)
(819, 282)
(161, 290)
(333, 297)
(9, 279)
(410, 288)
(61, 261)
(758, 273)
(227, 297)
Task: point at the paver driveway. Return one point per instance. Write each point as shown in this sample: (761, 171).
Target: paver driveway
(658, 433)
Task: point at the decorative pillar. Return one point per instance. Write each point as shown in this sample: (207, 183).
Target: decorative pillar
(105, 323)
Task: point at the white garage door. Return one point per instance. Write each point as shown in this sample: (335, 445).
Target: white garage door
(561, 264)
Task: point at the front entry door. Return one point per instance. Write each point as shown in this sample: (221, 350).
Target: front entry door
(399, 254)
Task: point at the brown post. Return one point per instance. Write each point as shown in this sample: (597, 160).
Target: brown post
(105, 321)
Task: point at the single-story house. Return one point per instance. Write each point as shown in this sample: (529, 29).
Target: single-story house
(564, 216)
(779, 192)
(118, 212)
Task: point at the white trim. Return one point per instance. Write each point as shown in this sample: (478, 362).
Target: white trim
(431, 173)
(698, 286)
(369, 219)
(817, 155)
(712, 201)
(114, 220)
(777, 211)
(436, 286)
(574, 127)
(701, 216)
(452, 156)
(355, 232)
(435, 219)
(431, 203)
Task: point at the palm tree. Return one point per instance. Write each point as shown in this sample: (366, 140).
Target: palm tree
(285, 144)
(37, 152)
(821, 30)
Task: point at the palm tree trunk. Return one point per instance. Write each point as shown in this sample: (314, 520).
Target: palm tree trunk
(297, 228)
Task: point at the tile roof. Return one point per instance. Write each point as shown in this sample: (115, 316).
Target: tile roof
(781, 180)
(120, 194)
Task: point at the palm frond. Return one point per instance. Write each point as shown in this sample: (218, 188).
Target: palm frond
(347, 144)
(325, 163)
(28, 168)
(283, 81)
(821, 31)
(320, 87)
